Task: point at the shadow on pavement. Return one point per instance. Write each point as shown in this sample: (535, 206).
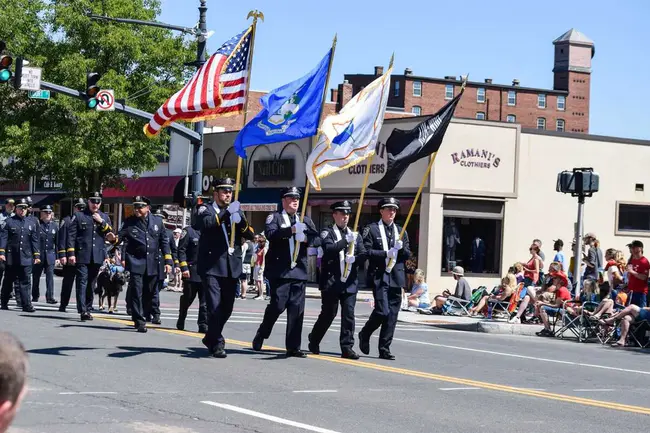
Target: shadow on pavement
(57, 350)
(130, 351)
(106, 328)
(42, 316)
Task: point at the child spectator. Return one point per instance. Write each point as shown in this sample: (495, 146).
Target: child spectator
(419, 297)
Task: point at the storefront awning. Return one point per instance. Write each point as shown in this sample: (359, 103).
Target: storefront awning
(404, 202)
(158, 189)
(41, 200)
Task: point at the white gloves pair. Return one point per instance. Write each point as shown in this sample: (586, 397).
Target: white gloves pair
(349, 259)
(392, 253)
(351, 237)
(233, 209)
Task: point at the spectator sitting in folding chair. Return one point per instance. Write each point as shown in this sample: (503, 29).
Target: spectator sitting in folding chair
(631, 313)
(562, 294)
(588, 296)
(502, 296)
(463, 289)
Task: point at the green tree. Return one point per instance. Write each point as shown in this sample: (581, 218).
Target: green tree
(61, 138)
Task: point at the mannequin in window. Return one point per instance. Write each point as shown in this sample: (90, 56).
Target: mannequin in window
(452, 240)
(478, 255)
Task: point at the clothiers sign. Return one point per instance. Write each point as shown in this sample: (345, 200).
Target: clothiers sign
(476, 158)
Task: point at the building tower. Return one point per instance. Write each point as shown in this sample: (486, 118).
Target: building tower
(572, 72)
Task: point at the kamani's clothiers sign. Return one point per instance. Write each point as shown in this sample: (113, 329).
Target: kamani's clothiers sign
(476, 158)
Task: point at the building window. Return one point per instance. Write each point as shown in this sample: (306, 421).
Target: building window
(480, 94)
(464, 222)
(480, 115)
(396, 92)
(164, 157)
(511, 118)
(633, 217)
(559, 125)
(417, 88)
(449, 91)
(541, 100)
(561, 103)
(541, 123)
(417, 110)
(512, 98)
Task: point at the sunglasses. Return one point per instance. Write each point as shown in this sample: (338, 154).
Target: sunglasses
(138, 206)
(95, 200)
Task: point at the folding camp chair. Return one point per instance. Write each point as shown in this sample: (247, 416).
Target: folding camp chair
(503, 309)
(577, 324)
(640, 333)
(460, 307)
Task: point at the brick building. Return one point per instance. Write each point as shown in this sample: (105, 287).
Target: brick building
(563, 108)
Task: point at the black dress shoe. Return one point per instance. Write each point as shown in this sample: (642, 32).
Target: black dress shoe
(156, 320)
(219, 352)
(52, 301)
(61, 309)
(180, 325)
(29, 309)
(203, 329)
(142, 329)
(86, 317)
(313, 348)
(349, 354)
(364, 343)
(296, 353)
(34, 299)
(4, 307)
(387, 355)
(258, 341)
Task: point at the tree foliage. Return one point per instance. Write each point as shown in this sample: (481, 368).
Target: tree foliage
(82, 148)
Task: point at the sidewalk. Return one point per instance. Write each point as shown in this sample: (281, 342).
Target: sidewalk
(470, 324)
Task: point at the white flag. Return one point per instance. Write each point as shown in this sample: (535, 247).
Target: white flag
(350, 136)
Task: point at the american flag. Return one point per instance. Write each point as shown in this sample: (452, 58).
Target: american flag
(217, 89)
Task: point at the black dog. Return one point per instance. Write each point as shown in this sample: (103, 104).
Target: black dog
(110, 287)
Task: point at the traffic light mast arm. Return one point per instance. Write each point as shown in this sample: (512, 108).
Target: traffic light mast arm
(187, 30)
(181, 130)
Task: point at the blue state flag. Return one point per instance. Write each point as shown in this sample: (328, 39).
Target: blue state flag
(289, 112)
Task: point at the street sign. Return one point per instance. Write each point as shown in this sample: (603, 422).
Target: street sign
(31, 79)
(39, 94)
(106, 100)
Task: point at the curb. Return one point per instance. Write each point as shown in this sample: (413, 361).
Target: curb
(481, 326)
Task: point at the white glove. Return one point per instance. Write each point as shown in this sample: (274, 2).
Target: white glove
(300, 227)
(234, 207)
(349, 259)
(398, 244)
(300, 237)
(235, 218)
(351, 237)
(392, 253)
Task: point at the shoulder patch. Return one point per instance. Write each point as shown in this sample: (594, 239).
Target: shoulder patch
(202, 209)
(183, 233)
(73, 218)
(366, 230)
(324, 234)
(269, 218)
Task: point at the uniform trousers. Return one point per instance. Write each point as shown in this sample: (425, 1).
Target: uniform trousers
(86, 279)
(69, 272)
(21, 275)
(49, 281)
(286, 295)
(142, 290)
(329, 307)
(219, 293)
(190, 290)
(388, 301)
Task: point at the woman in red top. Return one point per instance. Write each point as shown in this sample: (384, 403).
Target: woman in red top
(531, 268)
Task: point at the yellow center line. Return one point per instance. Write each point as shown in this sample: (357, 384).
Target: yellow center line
(424, 375)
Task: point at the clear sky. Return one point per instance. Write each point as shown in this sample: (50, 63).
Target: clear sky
(494, 39)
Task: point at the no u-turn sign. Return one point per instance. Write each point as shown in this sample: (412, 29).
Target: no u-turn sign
(106, 100)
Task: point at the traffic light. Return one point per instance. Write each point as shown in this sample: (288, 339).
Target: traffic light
(5, 64)
(92, 89)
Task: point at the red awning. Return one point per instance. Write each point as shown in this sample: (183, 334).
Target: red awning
(151, 187)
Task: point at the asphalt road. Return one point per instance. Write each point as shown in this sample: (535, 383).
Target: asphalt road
(101, 376)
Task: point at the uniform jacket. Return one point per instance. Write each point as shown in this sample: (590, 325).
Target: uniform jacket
(146, 245)
(85, 238)
(330, 274)
(19, 241)
(377, 256)
(214, 226)
(62, 240)
(281, 242)
(49, 236)
(188, 253)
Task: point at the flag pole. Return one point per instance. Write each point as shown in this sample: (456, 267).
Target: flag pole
(364, 187)
(296, 249)
(417, 195)
(255, 14)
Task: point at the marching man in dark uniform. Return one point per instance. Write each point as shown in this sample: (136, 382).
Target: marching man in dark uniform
(87, 251)
(20, 249)
(7, 212)
(337, 286)
(218, 265)
(288, 279)
(381, 240)
(146, 247)
(69, 270)
(49, 256)
(188, 255)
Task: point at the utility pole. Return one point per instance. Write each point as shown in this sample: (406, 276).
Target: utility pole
(201, 33)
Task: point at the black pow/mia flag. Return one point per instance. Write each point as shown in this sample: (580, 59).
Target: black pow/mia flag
(406, 147)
